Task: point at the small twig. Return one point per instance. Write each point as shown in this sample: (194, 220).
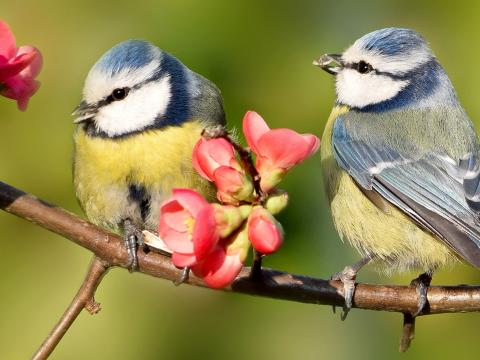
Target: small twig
(256, 273)
(408, 332)
(83, 299)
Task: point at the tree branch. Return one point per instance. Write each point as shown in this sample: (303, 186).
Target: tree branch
(274, 284)
(83, 299)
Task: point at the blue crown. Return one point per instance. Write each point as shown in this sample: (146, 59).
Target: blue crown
(130, 54)
(393, 41)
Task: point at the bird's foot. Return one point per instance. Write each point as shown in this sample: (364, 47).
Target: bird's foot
(422, 282)
(347, 277)
(133, 237)
(183, 276)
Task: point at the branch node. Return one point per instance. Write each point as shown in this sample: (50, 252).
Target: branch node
(92, 306)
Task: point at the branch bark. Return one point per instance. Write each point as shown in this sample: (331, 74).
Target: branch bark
(273, 283)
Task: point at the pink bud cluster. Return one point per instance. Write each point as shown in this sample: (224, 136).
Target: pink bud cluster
(214, 239)
(18, 68)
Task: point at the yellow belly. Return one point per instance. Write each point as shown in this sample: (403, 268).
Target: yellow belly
(385, 233)
(157, 160)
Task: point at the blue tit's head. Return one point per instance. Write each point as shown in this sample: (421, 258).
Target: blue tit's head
(388, 69)
(135, 86)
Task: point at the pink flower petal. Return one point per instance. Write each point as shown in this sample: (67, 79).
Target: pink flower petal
(183, 260)
(192, 201)
(175, 216)
(284, 148)
(7, 41)
(264, 232)
(15, 66)
(37, 60)
(208, 155)
(20, 89)
(219, 269)
(254, 127)
(195, 159)
(205, 233)
(176, 239)
(228, 179)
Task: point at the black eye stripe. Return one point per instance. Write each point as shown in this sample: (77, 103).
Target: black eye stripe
(109, 99)
(355, 66)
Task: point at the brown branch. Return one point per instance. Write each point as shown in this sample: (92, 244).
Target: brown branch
(83, 299)
(274, 284)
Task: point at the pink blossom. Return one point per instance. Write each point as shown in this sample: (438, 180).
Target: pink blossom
(264, 232)
(215, 160)
(276, 150)
(188, 227)
(225, 262)
(18, 68)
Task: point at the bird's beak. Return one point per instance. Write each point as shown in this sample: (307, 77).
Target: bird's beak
(331, 63)
(84, 111)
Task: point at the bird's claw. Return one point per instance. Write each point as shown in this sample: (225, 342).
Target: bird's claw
(133, 238)
(421, 283)
(347, 277)
(183, 276)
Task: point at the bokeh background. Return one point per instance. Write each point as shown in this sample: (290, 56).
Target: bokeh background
(259, 53)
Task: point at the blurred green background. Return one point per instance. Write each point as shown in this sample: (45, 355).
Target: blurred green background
(259, 53)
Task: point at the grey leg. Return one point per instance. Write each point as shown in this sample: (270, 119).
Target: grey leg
(422, 282)
(347, 276)
(132, 236)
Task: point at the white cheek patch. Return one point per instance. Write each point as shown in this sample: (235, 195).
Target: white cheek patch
(359, 90)
(99, 84)
(138, 110)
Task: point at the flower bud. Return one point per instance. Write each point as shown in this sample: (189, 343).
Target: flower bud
(229, 218)
(271, 178)
(276, 202)
(264, 232)
(233, 186)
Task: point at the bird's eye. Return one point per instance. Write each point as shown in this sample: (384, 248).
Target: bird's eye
(119, 94)
(363, 67)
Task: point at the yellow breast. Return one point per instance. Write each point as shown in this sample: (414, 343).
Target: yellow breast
(157, 160)
(386, 233)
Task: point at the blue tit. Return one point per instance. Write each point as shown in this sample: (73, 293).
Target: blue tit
(142, 113)
(400, 159)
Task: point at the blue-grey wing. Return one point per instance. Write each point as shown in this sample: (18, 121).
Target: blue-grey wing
(437, 191)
